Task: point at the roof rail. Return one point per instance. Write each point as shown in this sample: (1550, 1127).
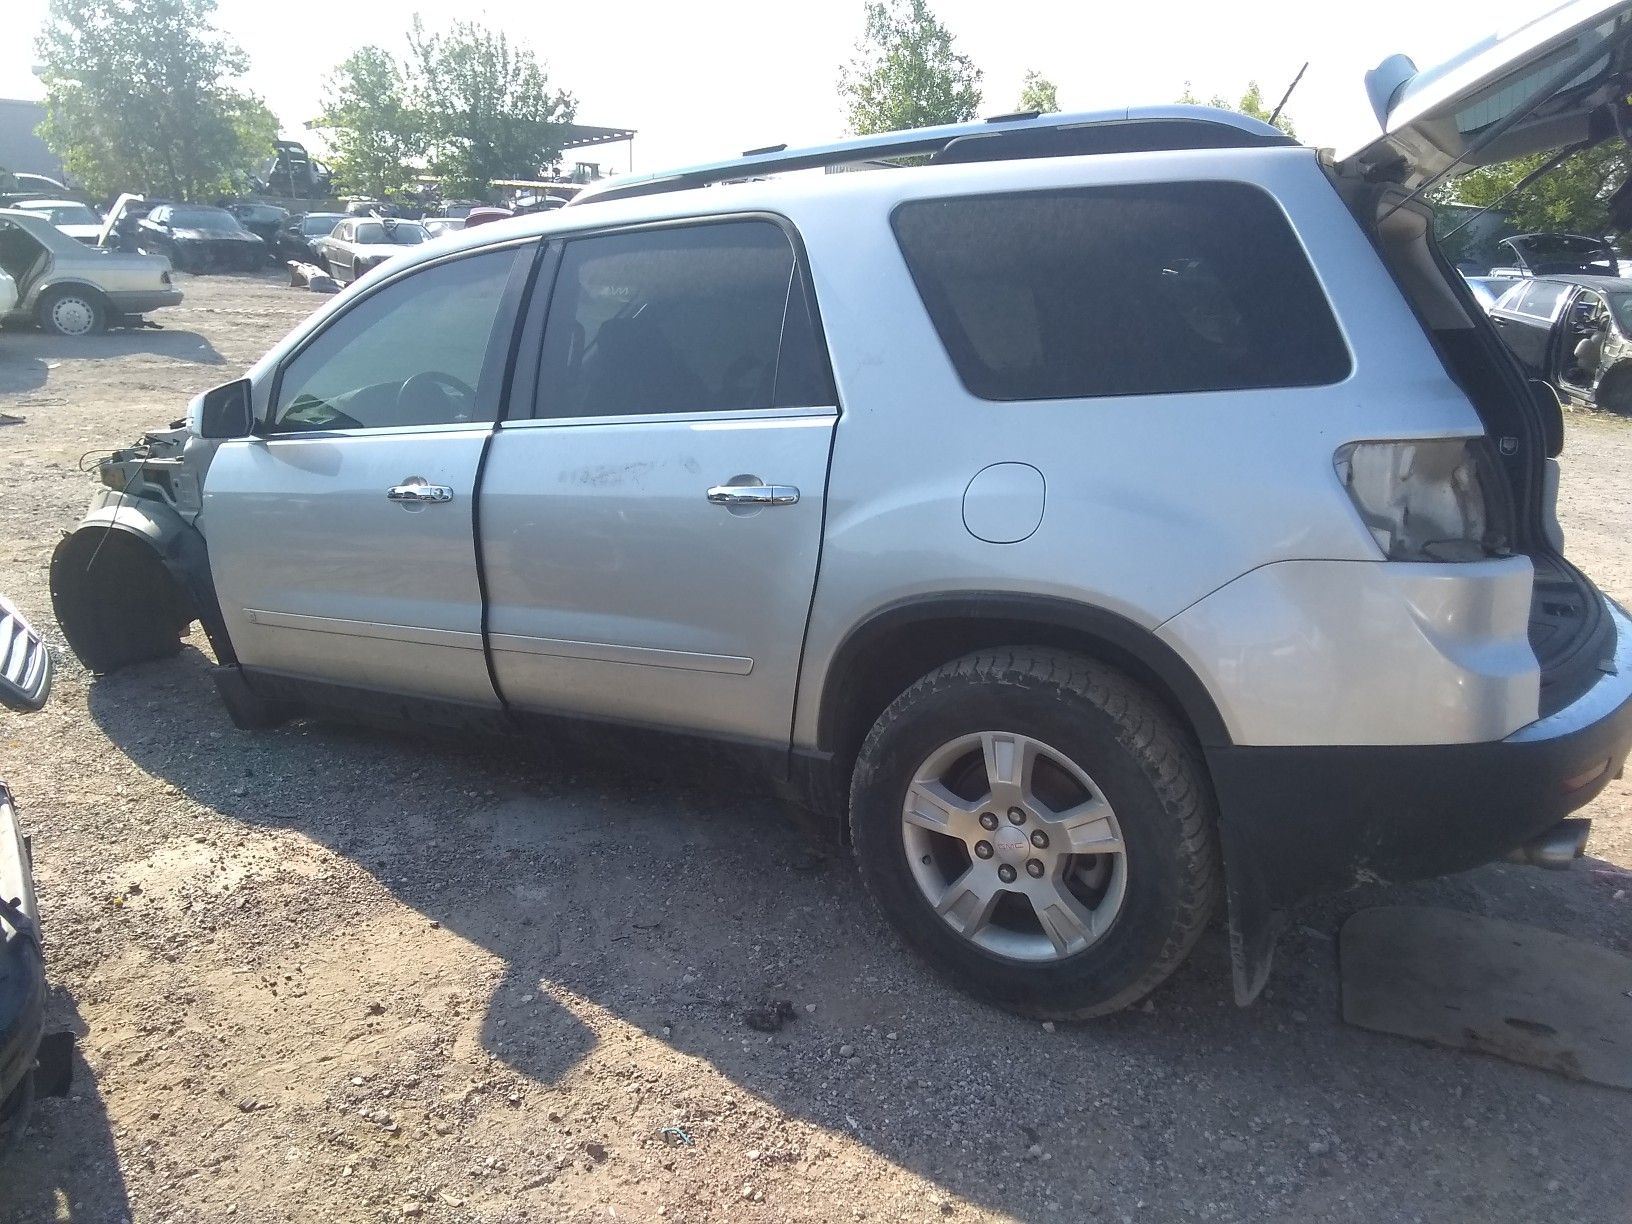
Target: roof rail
(1128, 129)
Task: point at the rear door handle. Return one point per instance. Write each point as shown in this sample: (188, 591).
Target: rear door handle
(753, 495)
(415, 492)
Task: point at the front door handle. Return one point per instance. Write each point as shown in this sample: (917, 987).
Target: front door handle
(415, 492)
(753, 495)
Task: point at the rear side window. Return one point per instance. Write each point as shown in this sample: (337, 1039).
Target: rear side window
(696, 318)
(1540, 299)
(1126, 290)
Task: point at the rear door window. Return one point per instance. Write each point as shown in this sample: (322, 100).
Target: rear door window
(1540, 300)
(1121, 290)
(698, 318)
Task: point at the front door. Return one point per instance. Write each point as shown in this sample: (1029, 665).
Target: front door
(651, 535)
(342, 537)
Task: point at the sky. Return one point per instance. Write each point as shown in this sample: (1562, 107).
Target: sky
(711, 78)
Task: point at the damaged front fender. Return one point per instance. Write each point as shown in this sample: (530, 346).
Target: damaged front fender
(129, 580)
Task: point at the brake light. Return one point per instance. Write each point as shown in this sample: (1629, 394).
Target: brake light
(1435, 499)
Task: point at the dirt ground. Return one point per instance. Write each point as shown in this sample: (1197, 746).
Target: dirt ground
(326, 973)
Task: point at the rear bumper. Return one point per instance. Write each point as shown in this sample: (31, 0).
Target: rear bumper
(143, 301)
(1308, 820)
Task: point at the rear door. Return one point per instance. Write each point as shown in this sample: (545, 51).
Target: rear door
(651, 535)
(1525, 318)
(342, 537)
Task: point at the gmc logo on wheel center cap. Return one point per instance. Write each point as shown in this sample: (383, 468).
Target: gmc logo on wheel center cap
(1010, 843)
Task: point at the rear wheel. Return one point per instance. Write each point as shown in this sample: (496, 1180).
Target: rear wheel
(1040, 829)
(72, 311)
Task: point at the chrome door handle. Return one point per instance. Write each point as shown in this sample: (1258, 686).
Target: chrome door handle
(417, 492)
(753, 495)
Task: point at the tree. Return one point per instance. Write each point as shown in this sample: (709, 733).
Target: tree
(487, 106)
(905, 73)
(140, 97)
(1251, 104)
(1572, 197)
(1039, 94)
(374, 133)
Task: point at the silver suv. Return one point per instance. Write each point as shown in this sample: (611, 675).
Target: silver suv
(1101, 515)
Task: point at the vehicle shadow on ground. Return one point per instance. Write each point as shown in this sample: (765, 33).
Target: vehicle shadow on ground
(19, 374)
(683, 907)
(67, 1167)
(39, 347)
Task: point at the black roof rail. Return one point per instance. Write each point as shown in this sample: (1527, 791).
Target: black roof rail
(1130, 129)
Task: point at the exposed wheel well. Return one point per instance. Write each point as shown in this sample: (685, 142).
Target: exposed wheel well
(116, 601)
(888, 654)
(1614, 393)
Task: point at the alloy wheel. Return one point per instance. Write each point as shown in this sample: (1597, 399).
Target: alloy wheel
(1014, 846)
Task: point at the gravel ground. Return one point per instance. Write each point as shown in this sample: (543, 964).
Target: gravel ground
(327, 973)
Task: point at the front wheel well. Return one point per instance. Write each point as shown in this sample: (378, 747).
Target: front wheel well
(115, 599)
(878, 662)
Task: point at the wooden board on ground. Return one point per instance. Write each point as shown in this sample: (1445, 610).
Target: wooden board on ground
(1495, 987)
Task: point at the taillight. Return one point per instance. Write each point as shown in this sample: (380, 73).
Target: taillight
(1438, 499)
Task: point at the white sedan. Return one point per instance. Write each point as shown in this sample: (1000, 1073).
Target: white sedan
(79, 221)
(361, 243)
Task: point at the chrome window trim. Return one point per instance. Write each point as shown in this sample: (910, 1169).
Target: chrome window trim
(697, 416)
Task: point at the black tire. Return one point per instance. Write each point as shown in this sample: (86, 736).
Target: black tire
(1148, 768)
(72, 311)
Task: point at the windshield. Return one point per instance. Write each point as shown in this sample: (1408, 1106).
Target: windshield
(203, 219)
(1621, 304)
(318, 226)
(64, 214)
(398, 233)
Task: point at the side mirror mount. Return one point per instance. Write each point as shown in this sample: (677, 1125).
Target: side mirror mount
(223, 412)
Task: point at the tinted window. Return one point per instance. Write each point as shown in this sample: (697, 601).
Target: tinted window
(701, 318)
(411, 353)
(1134, 290)
(402, 233)
(1510, 297)
(1540, 299)
(318, 226)
(202, 219)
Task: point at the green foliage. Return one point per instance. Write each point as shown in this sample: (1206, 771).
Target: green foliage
(374, 134)
(905, 73)
(1251, 104)
(486, 105)
(1039, 94)
(1571, 198)
(140, 97)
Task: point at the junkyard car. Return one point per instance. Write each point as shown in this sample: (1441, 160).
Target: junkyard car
(31, 1063)
(196, 238)
(8, 293)
(297, 238)
(1575, 332)
(1556, 254)
(361, 244)
(1102, 514)
(79, 221)
(71, 289)
(265, 221)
